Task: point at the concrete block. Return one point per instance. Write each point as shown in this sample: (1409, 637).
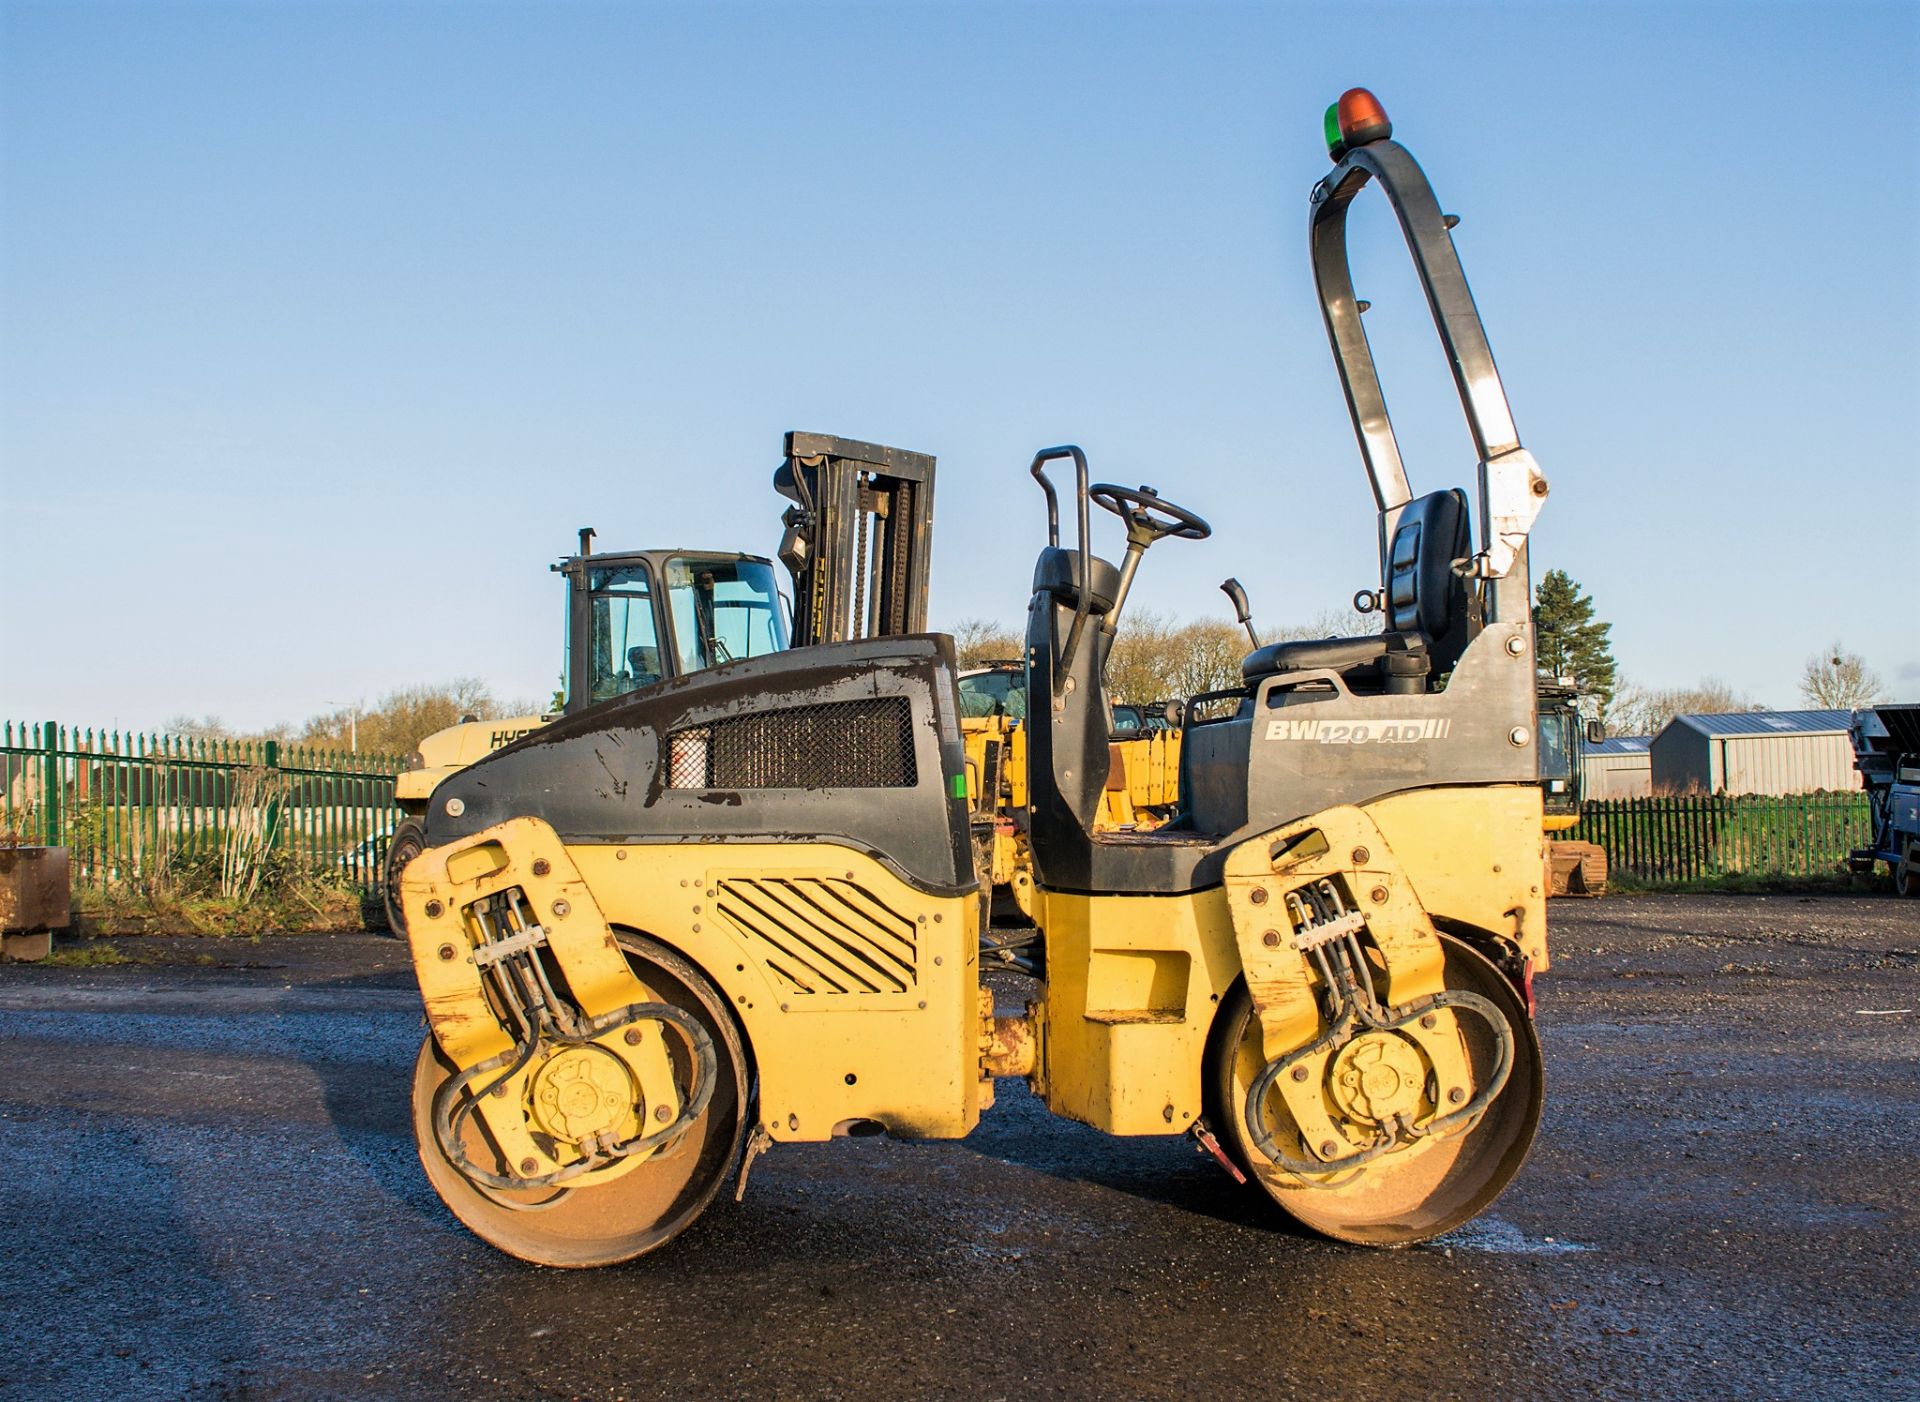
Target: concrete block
(36, 888)
(24, 949)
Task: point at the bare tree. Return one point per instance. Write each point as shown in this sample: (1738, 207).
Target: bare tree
(1839, 680)
(197, 727)
(1155, 658)
(1142, 655)
(403, 718)
(1206, 657)
(1638, 710)
(978, 641)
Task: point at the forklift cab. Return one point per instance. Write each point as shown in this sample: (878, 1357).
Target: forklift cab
(857, 542)
(639, 617)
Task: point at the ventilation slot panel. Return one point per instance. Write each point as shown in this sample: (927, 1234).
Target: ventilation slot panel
(823, 937)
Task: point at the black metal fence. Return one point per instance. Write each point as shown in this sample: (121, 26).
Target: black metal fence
(1695, 837)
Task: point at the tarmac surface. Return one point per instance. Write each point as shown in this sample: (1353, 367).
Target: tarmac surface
(210, 1188)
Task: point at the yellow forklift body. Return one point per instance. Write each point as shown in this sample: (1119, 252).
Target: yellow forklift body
(454, 748)
(1149, 768)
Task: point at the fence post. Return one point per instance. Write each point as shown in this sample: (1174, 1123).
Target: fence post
(50, 825)
(270, 759)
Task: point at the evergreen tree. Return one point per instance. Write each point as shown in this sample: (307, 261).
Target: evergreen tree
(1570, 642)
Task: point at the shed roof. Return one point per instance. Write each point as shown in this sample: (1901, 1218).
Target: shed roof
(1620, 745)
(1768, 722)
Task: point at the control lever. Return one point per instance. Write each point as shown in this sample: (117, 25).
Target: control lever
(1231, 588)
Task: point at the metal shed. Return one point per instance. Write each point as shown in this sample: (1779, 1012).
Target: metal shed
(1770, 752)
(1617, 767)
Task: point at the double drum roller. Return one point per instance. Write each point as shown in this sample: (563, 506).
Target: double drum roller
(745, 906)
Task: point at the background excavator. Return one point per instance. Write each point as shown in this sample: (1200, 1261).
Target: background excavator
(1573, 868)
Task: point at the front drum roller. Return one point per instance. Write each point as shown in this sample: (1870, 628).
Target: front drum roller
(640, 1209)
(1421, 1189)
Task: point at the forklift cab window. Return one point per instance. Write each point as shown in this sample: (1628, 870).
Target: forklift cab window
(994, 694)
(1128, 720)
(626, 641)
(723, 611)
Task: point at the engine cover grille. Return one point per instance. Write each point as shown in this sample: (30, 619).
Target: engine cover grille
(865, 744)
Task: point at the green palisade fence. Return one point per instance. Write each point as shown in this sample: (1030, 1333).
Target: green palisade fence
(1693, 837)
(131, 807)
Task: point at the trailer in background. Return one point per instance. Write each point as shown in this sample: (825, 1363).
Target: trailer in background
(1886, 751)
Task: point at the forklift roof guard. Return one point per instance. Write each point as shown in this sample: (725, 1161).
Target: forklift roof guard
(1512, 489)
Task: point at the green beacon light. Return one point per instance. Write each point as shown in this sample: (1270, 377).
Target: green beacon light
(1354, 120)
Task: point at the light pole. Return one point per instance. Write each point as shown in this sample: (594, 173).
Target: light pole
(353, 723)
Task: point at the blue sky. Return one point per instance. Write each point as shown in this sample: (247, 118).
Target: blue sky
(322, 327)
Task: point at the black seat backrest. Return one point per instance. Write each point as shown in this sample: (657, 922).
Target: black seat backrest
(1424, 595)
(1427, 609)
(1057, 573)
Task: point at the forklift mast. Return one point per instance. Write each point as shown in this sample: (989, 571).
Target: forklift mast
(858, 537)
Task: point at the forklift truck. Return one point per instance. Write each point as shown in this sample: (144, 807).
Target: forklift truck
(861, 529)
(742, 908)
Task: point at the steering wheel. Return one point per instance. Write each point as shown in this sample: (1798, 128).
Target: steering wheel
(1143, 510)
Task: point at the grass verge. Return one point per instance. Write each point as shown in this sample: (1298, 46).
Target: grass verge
(293, 907)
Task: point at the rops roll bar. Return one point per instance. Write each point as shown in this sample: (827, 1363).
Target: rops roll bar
(1512, 488)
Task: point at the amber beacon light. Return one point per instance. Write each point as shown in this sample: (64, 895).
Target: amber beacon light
(1354, 120)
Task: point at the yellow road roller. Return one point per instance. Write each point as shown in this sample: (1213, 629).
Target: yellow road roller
(743, 907)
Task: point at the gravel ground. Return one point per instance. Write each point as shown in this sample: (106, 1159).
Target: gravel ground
(211, 1188)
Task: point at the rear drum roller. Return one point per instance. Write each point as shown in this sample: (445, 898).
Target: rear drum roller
(1412, 1193)
(639, 1210)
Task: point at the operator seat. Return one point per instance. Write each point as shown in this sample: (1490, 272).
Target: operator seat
(644, 664)
(1427, 608)
(1057, 573)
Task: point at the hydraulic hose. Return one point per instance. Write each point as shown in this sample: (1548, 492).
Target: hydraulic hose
(1342, 1032)
(448, 1118)
(1353, 1006)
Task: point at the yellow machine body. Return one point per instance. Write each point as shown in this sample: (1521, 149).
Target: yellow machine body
(1143, 782)
(1143, 785)
(859, 996)
(788, 861)
(856, 993)
(1134, 981)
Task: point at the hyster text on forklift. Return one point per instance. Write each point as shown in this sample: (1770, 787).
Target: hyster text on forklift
(742, 908)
